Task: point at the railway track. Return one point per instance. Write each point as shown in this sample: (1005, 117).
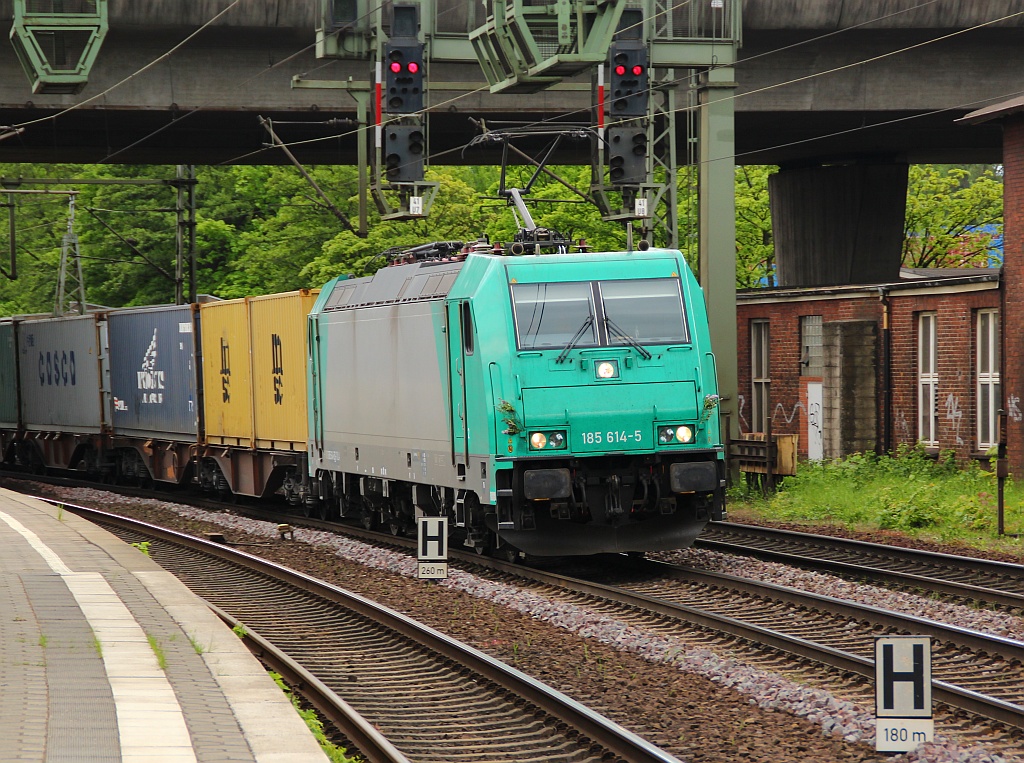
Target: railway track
(431, 696)
(977, 679)
(978, 682)
(976, 580)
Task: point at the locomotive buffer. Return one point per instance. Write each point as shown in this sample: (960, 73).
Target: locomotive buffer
(432, 548)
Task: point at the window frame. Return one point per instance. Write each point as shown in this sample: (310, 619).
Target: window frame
(928, 379)
(760, 374)
(987, 378)
(598, 313)
(806, 364)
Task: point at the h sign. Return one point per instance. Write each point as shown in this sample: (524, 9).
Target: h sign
(903, 677)
(433, 539)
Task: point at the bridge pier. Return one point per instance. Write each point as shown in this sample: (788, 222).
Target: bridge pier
(839, 224)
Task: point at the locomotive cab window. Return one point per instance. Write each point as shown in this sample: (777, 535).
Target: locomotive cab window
(551, 314)
(467, 328)
(599, 313)
(649, 311)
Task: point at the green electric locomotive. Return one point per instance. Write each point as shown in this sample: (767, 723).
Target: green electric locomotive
(550, 404)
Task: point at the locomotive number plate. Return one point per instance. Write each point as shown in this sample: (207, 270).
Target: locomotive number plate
(610, 438)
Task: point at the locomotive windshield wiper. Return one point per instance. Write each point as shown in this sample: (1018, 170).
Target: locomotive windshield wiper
(575, 338)
(627, 338)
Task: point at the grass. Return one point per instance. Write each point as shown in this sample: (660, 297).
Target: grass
(158, 650)
(908, 492)
(334, 753)
(197, 645)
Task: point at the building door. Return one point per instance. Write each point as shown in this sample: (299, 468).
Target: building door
(815, 439)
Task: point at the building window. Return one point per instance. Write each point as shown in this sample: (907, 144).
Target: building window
(759, 376)
(988, 378)
(927, 380)
(810, 346)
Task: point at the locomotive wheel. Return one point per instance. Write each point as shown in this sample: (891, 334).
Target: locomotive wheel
(324, 510)
(507, 553)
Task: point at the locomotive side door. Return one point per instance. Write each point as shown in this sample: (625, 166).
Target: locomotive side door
(459, 347)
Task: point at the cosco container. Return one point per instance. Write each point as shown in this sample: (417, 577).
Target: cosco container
(278, 335)
(227, 387)
(8, 377)
(153, 372)
(62, 367)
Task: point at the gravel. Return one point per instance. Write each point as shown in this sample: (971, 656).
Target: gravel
(697, 704)
(986, 621)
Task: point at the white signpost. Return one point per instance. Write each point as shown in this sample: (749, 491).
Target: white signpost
(903, 693)
(432, 548)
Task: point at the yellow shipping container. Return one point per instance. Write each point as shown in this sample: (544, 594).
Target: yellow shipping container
(278, 325)
(227, 386)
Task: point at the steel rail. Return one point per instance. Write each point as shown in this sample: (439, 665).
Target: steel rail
(592, 725)
(954, 696)
(870, 569)
(371, 744)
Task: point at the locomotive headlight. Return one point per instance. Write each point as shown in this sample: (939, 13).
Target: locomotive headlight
(551, 440)
(677, 433)
(607, 369)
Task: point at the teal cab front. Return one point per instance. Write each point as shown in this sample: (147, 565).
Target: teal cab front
(589, 381)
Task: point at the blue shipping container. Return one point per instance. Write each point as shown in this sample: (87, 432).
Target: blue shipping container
(153, 372)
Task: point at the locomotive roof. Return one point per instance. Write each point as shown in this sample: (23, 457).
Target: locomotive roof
(398, 283)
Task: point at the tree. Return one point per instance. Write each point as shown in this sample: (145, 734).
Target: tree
(952, 218)
(755, 249)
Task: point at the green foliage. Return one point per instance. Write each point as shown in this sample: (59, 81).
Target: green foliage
(158, 651)
(334, 753)
(262, 229)
(908, 491)
(142, 546)
(953, 215)
(755, 248)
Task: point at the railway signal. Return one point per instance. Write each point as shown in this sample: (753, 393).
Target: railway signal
(628, 64)
(627, 154)
(403, 153)
(403, 77)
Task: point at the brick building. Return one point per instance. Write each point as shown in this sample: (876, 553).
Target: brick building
(869, 367)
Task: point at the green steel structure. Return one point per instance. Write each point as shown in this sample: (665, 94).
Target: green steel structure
(57, 41)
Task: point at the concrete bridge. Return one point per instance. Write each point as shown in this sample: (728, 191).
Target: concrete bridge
(817, 81)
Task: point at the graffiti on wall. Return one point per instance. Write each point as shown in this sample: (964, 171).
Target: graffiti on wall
(1015, 412)
(955, 414)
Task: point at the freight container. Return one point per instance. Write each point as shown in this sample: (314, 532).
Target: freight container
(278, 334)
(64, 378)
(227, 387)
(153, 372)
(8, 378)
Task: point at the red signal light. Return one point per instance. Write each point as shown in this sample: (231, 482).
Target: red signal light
(413, 67)
(396, 67)
(638, 70)
(620, 70)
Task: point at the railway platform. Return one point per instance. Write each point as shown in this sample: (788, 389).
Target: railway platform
(105, 656)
